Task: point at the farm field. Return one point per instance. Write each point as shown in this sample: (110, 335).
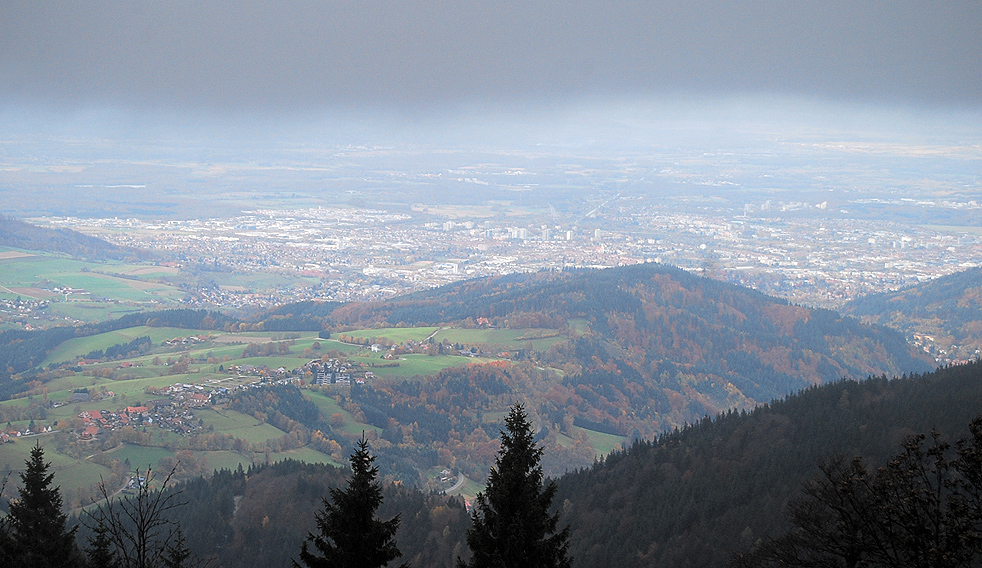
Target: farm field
(217, 361)
(415, 364)
(506, 339)
(93, 311)
(394, 334)
(99, 292)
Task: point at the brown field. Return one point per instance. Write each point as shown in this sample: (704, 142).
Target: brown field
(153, 270)
(243, 339)
(137, 284)
(6, 255)
(36, 293)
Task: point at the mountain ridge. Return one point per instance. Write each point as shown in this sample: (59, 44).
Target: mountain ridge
(680, 338)
(943, 315)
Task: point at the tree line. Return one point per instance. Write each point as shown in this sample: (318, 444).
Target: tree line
(694, 496)
(512, 524)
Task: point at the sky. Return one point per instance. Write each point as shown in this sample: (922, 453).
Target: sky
(300, 55)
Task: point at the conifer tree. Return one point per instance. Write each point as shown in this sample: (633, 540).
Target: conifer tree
(511, 523)
(100, 553)
(349, 535)
(177, 554)
(923, 508)
(37, 533)
(6, 545)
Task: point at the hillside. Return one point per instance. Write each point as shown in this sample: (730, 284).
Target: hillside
(18, 234)
(658, 343)
(598, 358)
(943, 315)
(257, 518)
(689, 499)
(695, 496)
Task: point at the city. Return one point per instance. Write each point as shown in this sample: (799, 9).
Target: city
(788, 249)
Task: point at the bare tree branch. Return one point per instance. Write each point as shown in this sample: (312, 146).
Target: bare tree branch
(138, 526)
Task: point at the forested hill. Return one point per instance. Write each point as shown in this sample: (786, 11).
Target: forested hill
(258, 518)
(689, 499)
(18, 234)
(944, 314)
(694, 497)
(652, 340)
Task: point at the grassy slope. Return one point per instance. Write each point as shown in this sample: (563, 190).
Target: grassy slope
(395, 334)
(81, 346)
(107, 296)
(69, 472)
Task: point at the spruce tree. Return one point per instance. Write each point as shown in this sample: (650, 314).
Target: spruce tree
(349, 535)
(100, 552)
(37, 532)
(6, 544)
(511, 523)
(177, 554)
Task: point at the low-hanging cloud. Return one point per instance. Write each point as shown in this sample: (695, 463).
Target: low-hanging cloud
(289, 54)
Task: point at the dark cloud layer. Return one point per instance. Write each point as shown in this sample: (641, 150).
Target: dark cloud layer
(306, 53)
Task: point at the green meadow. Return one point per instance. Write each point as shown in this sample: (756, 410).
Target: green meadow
(80, 346)
(505, 339)
(395, 334)
(328, 407)
(413, 364)
(604, 443)
(70, 473)
(141, 457)
(102, 293)
(239, 425)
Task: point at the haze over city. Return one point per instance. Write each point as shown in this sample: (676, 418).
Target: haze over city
(677, 254)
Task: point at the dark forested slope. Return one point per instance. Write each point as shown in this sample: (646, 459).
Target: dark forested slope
(695, 496)
(944, 315)
(258, 518)
(689, 499)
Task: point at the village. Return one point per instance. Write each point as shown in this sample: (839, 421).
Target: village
(171, 408)
(174, 405)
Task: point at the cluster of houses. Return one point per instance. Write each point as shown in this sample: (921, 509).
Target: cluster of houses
(315, 371)
(331, 371)
(163, 413)
(172, 411)
(173, 407)
(186, 341)
(8, 436)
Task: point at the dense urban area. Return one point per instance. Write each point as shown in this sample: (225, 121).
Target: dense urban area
(785, 248)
